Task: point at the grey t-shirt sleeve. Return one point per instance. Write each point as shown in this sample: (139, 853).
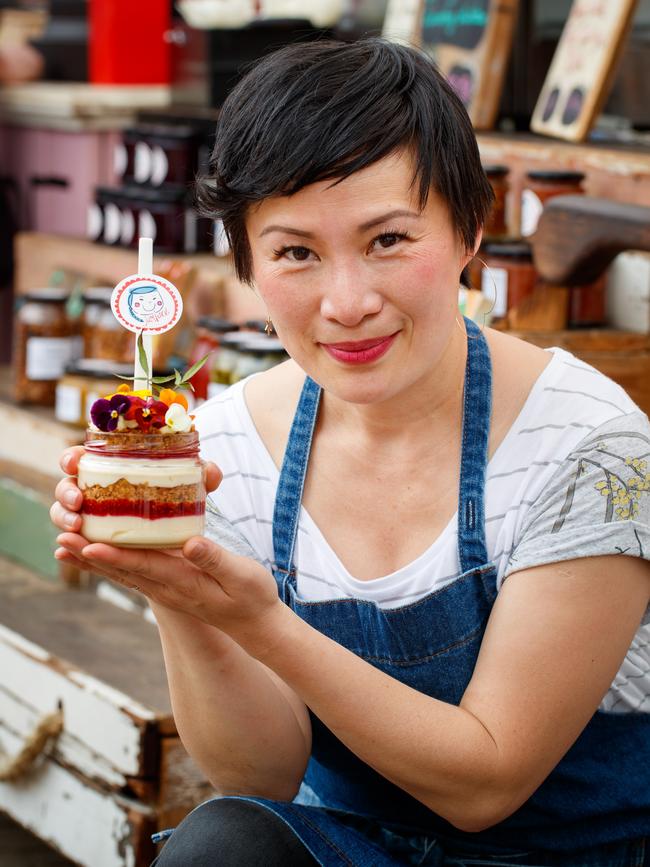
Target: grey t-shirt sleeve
(219, 529)
(596, 503)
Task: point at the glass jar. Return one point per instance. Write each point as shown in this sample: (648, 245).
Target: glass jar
(496, 225)
(46, 340)
(256, 354)
(142, 490)
(209, 330)
(511, 274)
(225, 360)
(539, 187)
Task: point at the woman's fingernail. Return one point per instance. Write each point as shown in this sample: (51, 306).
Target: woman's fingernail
(70, 520)
(70, 499)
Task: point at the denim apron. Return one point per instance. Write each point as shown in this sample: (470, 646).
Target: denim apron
(597, 798)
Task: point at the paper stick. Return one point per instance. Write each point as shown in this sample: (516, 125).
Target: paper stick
(145, 268)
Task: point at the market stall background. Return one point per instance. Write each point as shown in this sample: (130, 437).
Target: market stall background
(103, 149)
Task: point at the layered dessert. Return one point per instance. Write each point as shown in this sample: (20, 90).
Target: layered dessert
(141, 476)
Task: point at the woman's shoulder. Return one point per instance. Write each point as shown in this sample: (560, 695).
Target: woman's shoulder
(271, 400)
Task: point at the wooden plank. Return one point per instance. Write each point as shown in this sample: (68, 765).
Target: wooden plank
(89, 826)
(95, 642)
(21, 849)
(18, 719)
(182, 785)
(106, 721)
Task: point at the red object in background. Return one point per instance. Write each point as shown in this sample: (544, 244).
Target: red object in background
(127, 43)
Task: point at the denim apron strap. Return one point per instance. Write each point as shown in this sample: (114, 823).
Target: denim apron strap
(477, 408)
(286, 511)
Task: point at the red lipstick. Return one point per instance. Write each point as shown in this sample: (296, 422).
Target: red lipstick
(360, 351)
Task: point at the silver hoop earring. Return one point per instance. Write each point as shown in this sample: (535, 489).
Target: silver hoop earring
(486, 313)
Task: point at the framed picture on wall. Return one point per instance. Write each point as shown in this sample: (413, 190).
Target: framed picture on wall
(471, 40)
(582, 70)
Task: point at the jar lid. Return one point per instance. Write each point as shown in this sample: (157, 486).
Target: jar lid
(255, 325)
(169, 194)
(170, 131)
(258, 345)
(555, 175)
(509, 250)
(52, 295)
(97, 295)
(219, 326)
(232, 338)
(496, 171)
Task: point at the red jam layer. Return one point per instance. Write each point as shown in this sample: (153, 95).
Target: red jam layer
(151, 510)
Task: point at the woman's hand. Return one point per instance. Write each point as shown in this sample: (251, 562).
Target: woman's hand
(235, 594)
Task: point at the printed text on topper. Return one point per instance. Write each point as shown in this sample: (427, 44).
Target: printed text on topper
(148, 304)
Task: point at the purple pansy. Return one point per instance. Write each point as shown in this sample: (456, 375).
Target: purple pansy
(106, 413)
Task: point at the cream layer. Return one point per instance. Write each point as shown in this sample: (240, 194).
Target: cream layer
(164, 473)
(128, 530)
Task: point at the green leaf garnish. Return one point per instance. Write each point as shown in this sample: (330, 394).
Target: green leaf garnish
(195, 368)
(142, 356)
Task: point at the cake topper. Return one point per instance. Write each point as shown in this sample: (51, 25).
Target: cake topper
(146, 304)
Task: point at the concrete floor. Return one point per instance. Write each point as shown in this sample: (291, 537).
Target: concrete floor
(18, 848)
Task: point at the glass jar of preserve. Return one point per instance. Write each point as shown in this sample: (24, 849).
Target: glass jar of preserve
(224, 362)
(539, 187)
(511, 275)
(209, 330)
(141, 489)
(257, 353)
(46, 340)
(496, 225)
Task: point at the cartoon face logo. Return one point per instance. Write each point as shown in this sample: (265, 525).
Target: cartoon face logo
(146, 304)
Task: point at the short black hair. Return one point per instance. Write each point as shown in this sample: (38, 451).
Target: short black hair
(324, 110)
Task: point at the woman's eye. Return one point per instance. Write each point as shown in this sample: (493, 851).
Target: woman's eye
(388, 239)
(293, 254)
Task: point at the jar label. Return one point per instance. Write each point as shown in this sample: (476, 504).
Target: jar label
(531, 211)
(68, 403)
(497, 283)
(46, 357)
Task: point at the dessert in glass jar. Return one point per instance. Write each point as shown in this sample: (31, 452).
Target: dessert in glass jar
(141, 477)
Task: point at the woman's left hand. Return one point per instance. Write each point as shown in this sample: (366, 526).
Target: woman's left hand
(233, 593)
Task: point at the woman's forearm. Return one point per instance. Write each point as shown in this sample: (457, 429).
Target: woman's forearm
(231, 713)
(437, 752)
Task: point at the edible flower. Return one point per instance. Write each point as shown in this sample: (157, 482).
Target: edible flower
(170, 397)
(106, 414)
(124, 389)
(147, 412)
(177, 418)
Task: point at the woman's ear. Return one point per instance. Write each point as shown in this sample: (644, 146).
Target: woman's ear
(469, 254)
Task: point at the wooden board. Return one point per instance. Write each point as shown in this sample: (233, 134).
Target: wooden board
(581, 72)
(118, 771)
(471, 44)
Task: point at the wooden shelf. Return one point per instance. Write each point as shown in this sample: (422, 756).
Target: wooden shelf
(617, 172)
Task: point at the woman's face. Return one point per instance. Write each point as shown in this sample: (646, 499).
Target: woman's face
(361, 285)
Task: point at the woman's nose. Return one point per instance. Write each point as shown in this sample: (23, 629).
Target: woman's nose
(349, 298)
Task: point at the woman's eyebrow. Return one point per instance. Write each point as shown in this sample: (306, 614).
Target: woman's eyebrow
(384, 218)
(376, 221)
(287, 230)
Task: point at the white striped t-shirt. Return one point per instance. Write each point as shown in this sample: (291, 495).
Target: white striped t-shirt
(568, 480)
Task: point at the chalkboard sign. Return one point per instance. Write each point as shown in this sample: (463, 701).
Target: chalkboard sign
(470, 40)
(581, 73)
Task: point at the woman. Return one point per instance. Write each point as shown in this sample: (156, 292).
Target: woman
(425, 662)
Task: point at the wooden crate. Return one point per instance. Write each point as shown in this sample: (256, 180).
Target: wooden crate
(117, 773)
